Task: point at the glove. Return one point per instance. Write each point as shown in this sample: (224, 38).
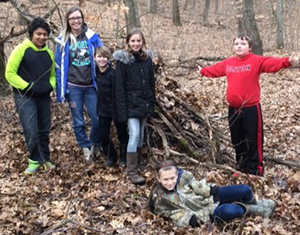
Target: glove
(194, 222)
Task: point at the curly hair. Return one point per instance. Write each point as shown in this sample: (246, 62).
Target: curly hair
(37, 23)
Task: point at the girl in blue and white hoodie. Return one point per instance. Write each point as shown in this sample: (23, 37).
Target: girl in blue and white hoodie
(76, 79)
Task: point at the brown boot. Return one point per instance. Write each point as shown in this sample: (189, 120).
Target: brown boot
(132, 162)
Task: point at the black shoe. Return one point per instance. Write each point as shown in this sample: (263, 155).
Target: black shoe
(111, 162)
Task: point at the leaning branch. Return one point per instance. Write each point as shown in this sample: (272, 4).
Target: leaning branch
(28, 17)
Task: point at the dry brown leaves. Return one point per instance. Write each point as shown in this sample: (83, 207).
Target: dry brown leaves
(80, 199)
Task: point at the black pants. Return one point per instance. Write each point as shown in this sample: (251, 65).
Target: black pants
(35, 117)
(104, 133)
(246, 128)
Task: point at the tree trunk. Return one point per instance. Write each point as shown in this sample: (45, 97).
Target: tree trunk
(3, 83)
(153, 6)
(132, 17)
(216, 6)
(279, 19)
(206, 10)
(176, 13)
(247, 23)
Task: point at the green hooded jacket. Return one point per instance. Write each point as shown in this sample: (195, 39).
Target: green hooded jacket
(31, 71)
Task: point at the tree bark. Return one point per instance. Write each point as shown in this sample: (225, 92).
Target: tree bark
(216, 6)
(132, 17)
(3, 83)
(206, 10)
(279, 19)
(247, 23)
(153, 6)
(176, 13)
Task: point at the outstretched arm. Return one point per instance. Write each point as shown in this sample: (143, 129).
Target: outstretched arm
(214, 71)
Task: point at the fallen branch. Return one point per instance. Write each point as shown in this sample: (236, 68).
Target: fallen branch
(283, 162)
(27, 16)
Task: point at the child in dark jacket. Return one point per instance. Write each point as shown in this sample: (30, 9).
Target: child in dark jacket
(31, 72)
(105, 76)
(243, 95)
(186, 201)
(135, 96)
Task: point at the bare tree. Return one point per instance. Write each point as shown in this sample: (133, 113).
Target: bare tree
(176, 13)
(206, 10)
(132, 17)
(278, 13)
(28, 17)
(247, 23)
(153, 6)
(216, 6)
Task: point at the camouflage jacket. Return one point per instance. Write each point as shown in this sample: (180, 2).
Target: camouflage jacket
(190, 197)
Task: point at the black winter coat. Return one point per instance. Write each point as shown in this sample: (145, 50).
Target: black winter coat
(105, 103)
(134, 86)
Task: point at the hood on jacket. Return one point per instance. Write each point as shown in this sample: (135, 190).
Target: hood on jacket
(30, 44)
(124, 57)
(87, 31)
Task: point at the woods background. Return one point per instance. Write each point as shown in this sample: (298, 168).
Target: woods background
(190, 123)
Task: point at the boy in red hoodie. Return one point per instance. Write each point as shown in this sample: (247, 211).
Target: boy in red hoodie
(243, 95)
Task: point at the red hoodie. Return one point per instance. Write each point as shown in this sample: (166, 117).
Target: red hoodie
(243, 88)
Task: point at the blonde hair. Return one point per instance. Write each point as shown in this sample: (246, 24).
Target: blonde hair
(66, 32)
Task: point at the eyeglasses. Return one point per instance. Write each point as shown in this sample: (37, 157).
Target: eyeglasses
(74, 18)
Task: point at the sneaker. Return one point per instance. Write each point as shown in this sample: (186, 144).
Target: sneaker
(87, 155)
(48, 166)
(32, 168)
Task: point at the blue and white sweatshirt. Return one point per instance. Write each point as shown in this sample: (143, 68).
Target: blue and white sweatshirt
(62, 59)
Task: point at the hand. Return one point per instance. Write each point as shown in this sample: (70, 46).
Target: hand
(294, 60)
(194, 222)
(199, 71)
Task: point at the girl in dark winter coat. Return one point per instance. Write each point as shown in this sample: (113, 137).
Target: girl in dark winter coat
(187, 201)
(105, 76)
(135, 95)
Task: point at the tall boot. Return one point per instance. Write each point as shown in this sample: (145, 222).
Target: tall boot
(111, 154)
(123, 152)
(132, 162)
(263, 208)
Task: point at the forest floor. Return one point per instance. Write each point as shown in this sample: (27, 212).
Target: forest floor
(76, 198)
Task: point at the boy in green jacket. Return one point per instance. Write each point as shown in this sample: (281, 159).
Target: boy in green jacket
(31, 72)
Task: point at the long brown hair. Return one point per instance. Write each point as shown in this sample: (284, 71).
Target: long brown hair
(143, 53)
